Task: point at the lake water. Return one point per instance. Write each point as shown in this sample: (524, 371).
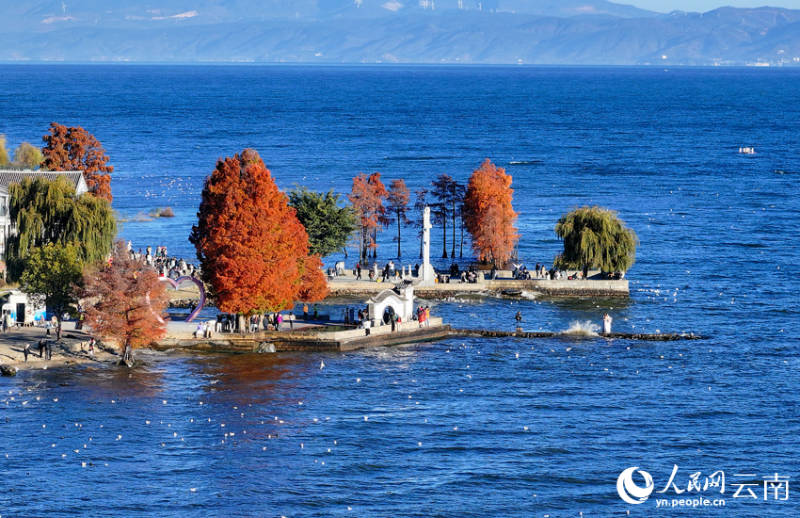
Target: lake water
(461, 427)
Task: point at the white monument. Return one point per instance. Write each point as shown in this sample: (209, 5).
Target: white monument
(426, 275)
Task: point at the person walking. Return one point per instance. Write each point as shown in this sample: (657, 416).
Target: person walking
(279, 321)
(305, 311)
(41, 348)
(358, 271)
(26, 351)
(291, 321)
(518, 318)
(316, 312)
(49, 351)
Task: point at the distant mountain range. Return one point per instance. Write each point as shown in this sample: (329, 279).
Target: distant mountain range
(583, 32)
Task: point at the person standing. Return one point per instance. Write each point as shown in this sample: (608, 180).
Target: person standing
(607, 324)
(49, 351)
(41, 348)
(358, 271)
(291, 321)
(316, 312)
(305, 311)
(279, 321)
(26, 351)
(427, 316)
(518, 318)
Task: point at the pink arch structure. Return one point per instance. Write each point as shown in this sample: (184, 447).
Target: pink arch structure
(199, 284)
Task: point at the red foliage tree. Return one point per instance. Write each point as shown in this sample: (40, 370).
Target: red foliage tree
(367, 197)
(75, 149)
(488, 214)
(397, 201)
(124, 301)
(313, 286)
(252, 248)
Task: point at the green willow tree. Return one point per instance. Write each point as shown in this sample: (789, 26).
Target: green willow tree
(329, 226)
(44, 211)
(4, 159)
(26, 156)
(595, 237)
(51, 275)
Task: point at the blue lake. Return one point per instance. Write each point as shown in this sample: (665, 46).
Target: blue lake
(462, 427)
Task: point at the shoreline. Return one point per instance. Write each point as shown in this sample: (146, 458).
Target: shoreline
(68, 352)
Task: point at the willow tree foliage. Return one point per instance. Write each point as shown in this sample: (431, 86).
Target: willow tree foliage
(4, 159)
(329, 226)
(44, 211)
(27, 156)
(595, 237)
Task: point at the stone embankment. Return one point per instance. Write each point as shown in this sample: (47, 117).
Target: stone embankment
(594, 287)
(658, 337)
(310, 338)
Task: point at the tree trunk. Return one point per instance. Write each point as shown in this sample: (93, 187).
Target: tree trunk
(461, 252)
(444, 236)
(398, 235)
(58, 328)
(362, 247)
(453, 213)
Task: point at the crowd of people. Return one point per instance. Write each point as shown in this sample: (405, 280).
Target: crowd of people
(172, 267)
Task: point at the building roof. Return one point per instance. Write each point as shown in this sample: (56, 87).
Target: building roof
(75, 177)
(385, 294)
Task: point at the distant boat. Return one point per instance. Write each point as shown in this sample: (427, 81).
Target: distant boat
(747, 151)
(512, 293)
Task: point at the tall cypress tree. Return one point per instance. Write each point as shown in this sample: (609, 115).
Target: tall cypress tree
(252, 248)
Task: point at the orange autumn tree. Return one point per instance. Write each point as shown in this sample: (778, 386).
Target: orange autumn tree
(125, 302)
(367, 197)
(75, 149)
(488, 214)
(252, 248)
(313, 286)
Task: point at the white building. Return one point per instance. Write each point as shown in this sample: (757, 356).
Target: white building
(9, 177)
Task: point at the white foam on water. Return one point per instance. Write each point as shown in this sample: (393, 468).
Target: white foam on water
(528, 295)
(586, 328)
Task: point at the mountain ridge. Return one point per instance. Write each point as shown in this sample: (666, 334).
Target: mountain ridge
(327, 32)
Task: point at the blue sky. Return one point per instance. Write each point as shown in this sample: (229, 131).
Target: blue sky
(666, 6)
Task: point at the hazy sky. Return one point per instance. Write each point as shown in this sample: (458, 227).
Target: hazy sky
(665, 6)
